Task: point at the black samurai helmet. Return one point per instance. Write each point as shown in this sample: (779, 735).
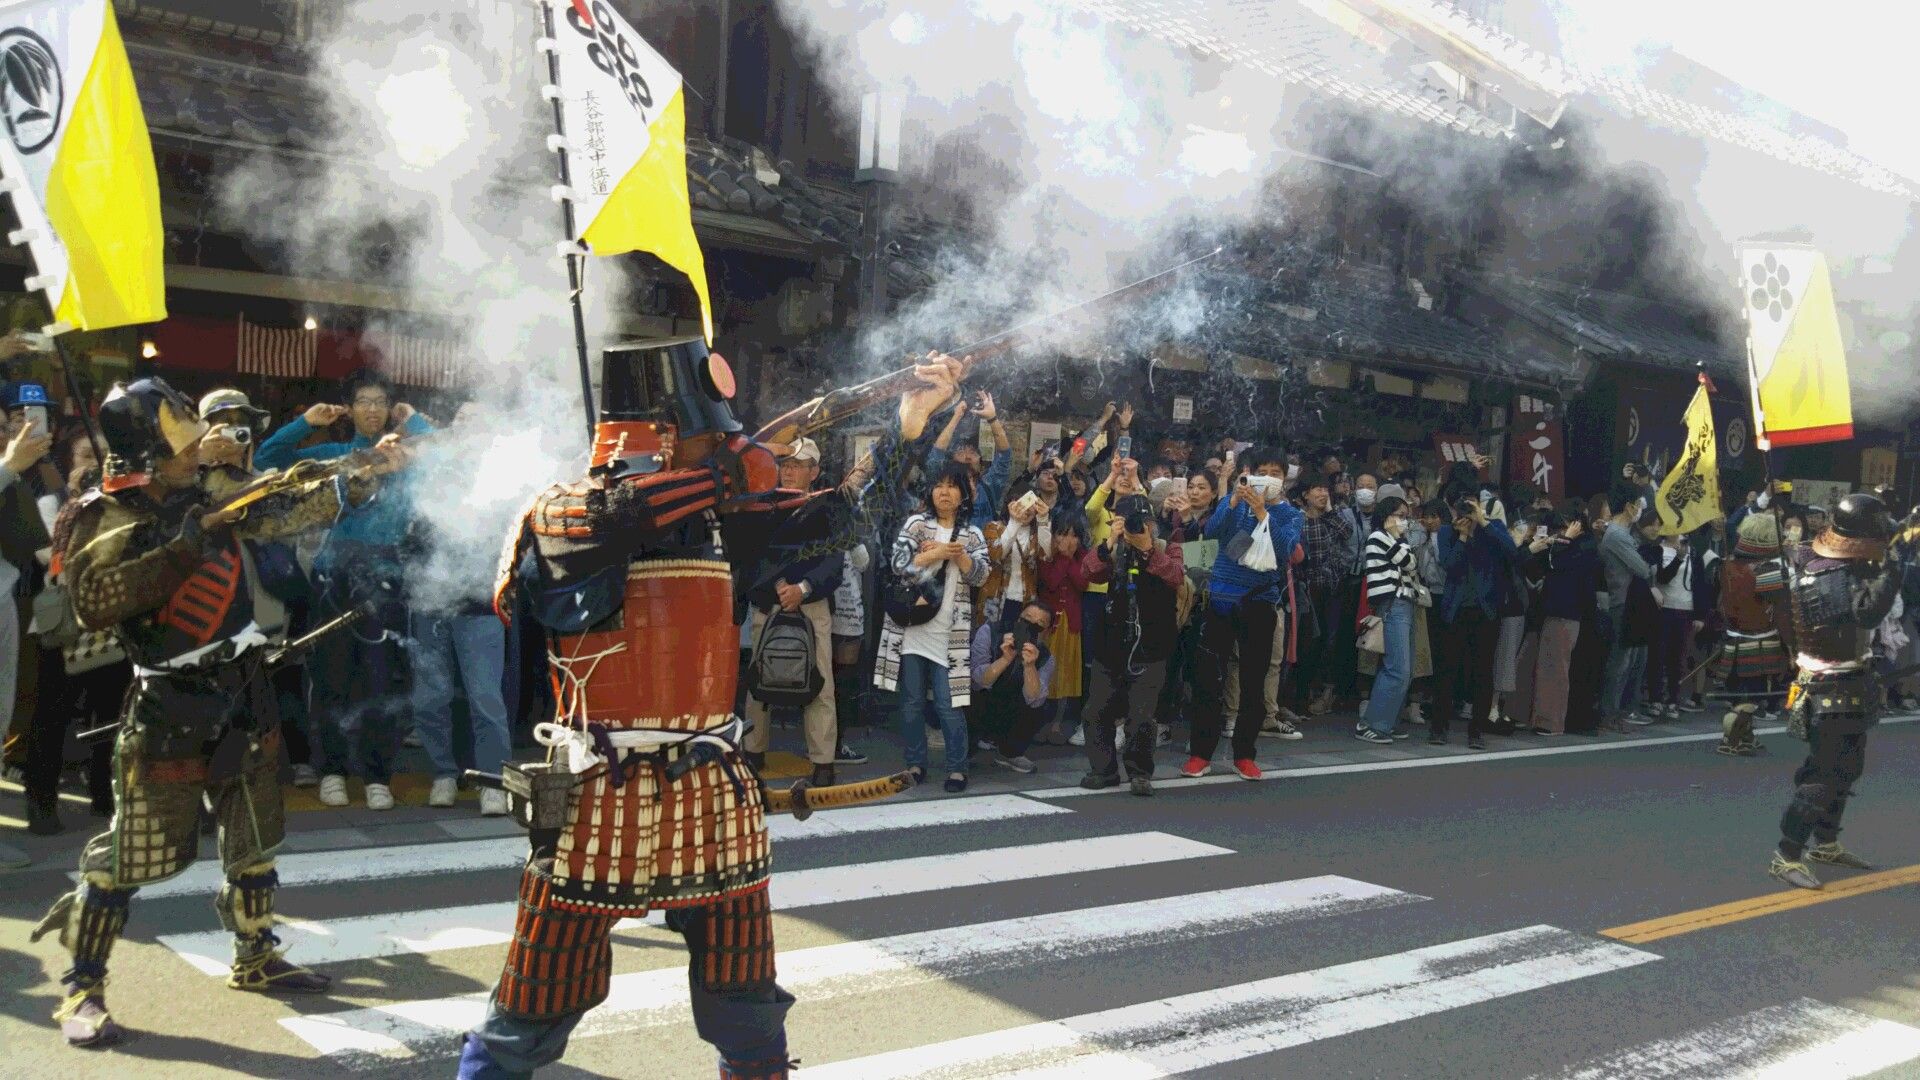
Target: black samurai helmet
(673, 382)
(146, 422)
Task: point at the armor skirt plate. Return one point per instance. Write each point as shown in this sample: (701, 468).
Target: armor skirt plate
(656, 842)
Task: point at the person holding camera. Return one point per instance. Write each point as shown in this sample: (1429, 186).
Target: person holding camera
(1012, 675)
(1257, 530)
(279, 585)
(1143, 575)
(1478, 555)
(988, 484)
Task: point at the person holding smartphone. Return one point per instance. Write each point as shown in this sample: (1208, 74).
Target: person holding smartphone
(25, 526)
(1477, 554)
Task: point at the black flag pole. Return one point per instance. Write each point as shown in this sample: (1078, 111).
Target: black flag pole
(575, 255)
(80, 403)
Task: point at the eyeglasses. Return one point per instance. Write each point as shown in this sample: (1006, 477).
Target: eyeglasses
(371, 402)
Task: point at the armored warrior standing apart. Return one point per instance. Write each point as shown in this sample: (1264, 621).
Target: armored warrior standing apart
(151, 557)
(633, 574)
(1841, 589)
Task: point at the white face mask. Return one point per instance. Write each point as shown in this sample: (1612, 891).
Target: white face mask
(1363, 498)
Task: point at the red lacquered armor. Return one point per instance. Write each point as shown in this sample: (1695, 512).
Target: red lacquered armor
(669, 663)
(681, 650)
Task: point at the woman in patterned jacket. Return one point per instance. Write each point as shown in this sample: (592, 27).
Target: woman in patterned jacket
(946, 559)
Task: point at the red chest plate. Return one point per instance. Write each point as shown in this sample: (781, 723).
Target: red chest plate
(674, 657)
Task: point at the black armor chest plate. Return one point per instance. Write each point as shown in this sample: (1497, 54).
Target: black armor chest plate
(1823, 620)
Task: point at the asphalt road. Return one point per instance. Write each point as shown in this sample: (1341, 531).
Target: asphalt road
(1428, 922)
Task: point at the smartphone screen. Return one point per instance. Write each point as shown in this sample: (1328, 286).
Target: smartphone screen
(37, 419)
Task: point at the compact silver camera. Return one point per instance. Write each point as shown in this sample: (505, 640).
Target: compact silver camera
(240, 433)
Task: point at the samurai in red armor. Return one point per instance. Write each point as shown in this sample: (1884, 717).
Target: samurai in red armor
(631, 573)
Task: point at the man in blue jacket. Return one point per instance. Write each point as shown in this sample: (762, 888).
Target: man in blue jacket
(1477, 555)
(352, 674)
(1242, 607)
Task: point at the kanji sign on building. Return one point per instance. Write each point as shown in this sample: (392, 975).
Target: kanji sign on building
(1536, 447)
(1456, 448)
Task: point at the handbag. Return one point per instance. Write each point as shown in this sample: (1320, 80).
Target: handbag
(1373, 635)
(53, 614)
(909, 601)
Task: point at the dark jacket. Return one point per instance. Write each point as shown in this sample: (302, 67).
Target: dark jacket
(1477, 571)
(1152, 585)
(1570, 572)
(821, 575)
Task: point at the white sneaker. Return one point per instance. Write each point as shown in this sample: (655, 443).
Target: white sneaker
(1164, 736)
(379, 797)
(1284, 731)
(492, 803)
(1078, 738)
(1412, 714)
(305, 776)
(333, 790)
(445, 790)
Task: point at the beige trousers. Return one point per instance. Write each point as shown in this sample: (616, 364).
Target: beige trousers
(820, 719)
(1274, 667)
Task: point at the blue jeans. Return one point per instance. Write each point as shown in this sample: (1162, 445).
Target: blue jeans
(468, 651)
(1395, 674)
(918, 675)
(1627, 669)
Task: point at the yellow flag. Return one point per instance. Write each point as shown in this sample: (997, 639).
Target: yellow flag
(77, 160)
(626, 124)
(1798, 361)
(1690, 495)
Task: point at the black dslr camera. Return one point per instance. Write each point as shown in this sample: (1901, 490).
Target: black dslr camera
(1024, 634)
(1136, 512)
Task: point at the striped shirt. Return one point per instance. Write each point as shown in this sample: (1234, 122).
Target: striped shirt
(1389, 568)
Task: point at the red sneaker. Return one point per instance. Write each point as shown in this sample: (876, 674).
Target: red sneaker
(1246, 768)
(1195, 767)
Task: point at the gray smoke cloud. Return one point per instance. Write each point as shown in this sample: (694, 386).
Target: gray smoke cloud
(1078, 156)
(1075, 147)
(433, 178)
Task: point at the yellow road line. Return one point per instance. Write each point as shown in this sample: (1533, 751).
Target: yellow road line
(1740, 910)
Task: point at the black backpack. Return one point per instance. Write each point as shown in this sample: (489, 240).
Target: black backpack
(783, 673)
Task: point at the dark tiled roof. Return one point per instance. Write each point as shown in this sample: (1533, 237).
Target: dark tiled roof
(1299, 305)
(194, 97)
(1616, 327)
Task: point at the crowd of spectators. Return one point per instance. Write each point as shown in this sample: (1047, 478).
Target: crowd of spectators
(1122, 602)
(1126, 602)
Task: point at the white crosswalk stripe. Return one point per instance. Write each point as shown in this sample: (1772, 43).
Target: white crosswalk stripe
(378, 1035)
(1180, 1034)
(936, 955)
(361, 938)
(1800, 1039)
(416, 860)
